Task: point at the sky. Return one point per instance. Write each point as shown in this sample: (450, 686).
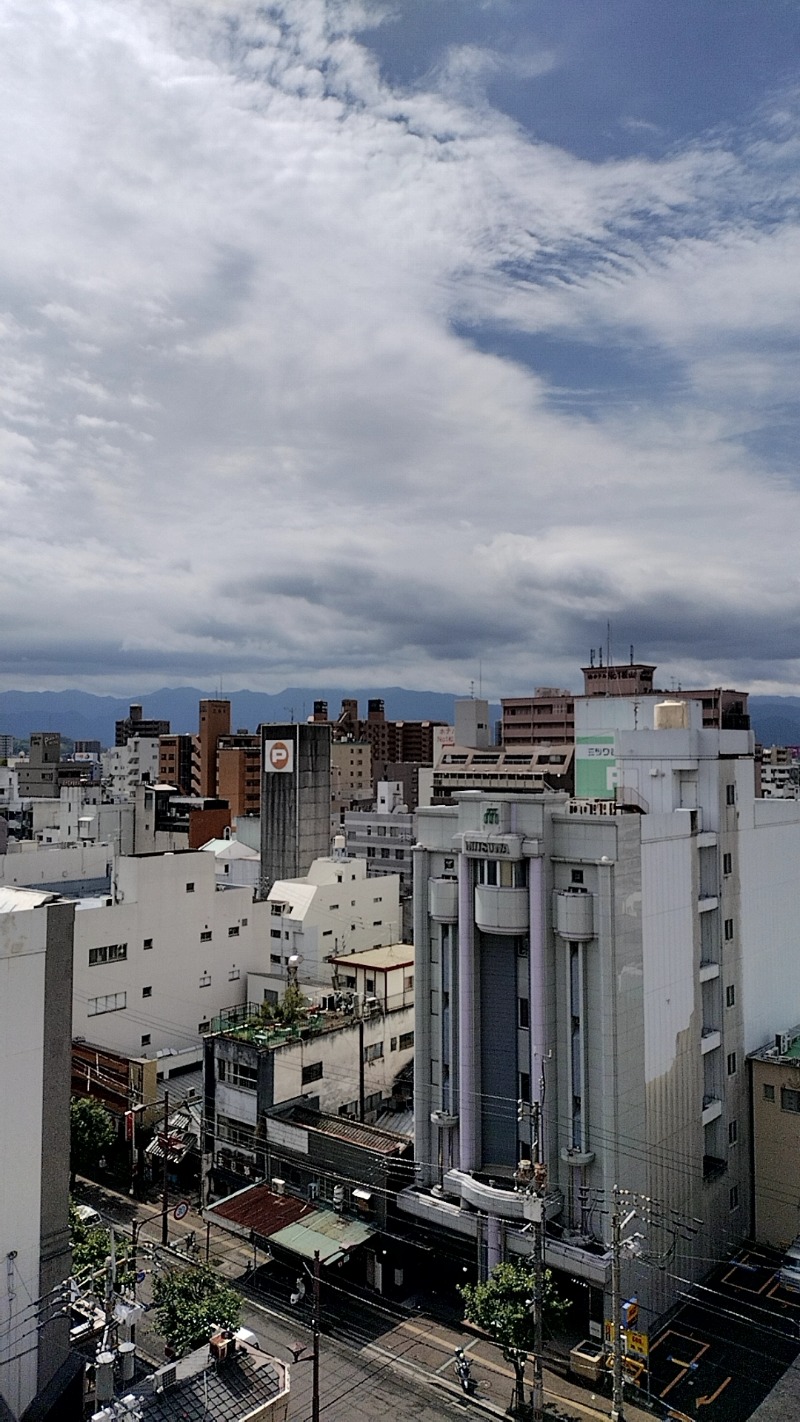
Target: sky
(398, 342)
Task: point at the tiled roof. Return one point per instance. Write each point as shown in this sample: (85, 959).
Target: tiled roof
(227, 1393)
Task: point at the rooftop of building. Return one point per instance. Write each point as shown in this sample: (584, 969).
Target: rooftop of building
(539, 757)
(393, 955)
(250, 1023)
(13, 900)
(229, 849)
(344, 1128)
(197, 1387)
(784, 1047)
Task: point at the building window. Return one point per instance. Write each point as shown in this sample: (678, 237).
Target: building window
(370, 852)
(276, 910)
(274, 933)
(244, 923)
(238, 1074)
(730, 995)
(408, 982)
(312, 1072)
(274, 957)
(205, 980)
(373, 1052)
(190, 888)
(384, 854)
(790, 1099)
(734, 1197)
(728, 930)
(393, 1044)
(379, 899)
(727, 863)
(112, 1002)
(108, 953)
(524, 1010)
(234, 931)
(405, 1040)
(147, 992)
(524, 1086)
(233, 975)
(146, 1039)
(730, 794)
(327, 932)
(731, 1063)
(206, 936)
(376, 922)
(576, 876)
(769, 1091)
(733, 1133)
(147, 943)
(203, 1027)
(370, 985)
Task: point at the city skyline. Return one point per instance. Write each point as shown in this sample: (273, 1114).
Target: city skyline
(357, 343)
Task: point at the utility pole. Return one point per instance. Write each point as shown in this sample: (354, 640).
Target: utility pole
(360, 1067)
(315, 1334)
(165, 1190)
(617, 1226)
(539, 1181)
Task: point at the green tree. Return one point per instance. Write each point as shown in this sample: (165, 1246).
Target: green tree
(502, 1306)
(91, 1246)
(189, 1304)
(92, 1132)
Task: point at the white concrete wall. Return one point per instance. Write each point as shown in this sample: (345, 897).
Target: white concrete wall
(338, 1052)
(22, 989)
(767, 920)
(191, 979)
(29, 864)
(346, 912)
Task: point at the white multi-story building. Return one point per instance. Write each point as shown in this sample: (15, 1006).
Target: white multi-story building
(135, 763)
(333, 909)
(35, 1039)
(236, 863)
(609, 961)
(163, 954)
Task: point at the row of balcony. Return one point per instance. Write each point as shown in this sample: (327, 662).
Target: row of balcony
(507, 910)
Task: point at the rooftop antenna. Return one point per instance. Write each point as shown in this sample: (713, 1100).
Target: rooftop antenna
(290, 709)
(631, 653)
(608, 644)
(480, 677)
(472, 691)
(591, 656)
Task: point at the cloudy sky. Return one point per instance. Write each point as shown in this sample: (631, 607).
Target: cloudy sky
(372, 343)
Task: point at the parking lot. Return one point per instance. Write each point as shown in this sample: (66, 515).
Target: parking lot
(729, 1344)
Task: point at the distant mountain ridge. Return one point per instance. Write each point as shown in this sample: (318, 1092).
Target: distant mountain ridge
(81, 715)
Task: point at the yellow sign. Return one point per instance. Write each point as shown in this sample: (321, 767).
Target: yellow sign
(634, 1345)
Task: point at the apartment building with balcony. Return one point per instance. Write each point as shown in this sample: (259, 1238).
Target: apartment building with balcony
(608, 960)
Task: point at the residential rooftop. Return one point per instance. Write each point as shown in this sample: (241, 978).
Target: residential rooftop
(393, 955)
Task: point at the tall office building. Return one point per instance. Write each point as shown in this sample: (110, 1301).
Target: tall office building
(215, 721)
(295, 799)
(609, 960)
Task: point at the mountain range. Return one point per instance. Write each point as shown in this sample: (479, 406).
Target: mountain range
(81, 715)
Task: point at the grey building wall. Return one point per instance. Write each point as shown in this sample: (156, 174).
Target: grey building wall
(295, 804)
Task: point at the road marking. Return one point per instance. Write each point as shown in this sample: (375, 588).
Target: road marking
(706, 1401)
(684, 1367)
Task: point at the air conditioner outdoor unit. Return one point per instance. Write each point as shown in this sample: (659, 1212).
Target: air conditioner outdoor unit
(313, 1190)
(783, 1042)
(278, 1185)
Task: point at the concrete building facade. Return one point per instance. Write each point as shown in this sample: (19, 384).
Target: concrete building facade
(35, 1036)
(775, 1096)
(295, 799)
(602, 960)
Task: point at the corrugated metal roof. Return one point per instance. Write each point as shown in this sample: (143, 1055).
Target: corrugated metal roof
(324, 1232)
(12, 899)
(344, 1129)
(260, 1209)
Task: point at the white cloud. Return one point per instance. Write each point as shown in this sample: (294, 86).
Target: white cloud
(242, 432)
